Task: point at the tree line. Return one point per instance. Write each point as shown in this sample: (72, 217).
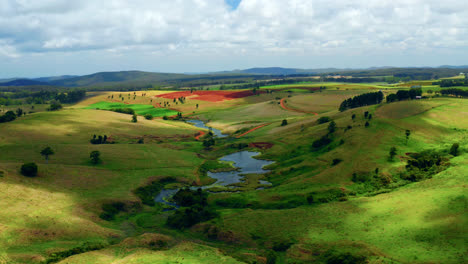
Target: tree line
(362, 100)
(455, 92)
(452, 82)
(41, 97)
(404, 95)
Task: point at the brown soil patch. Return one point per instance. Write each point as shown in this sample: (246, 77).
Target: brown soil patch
(261, 145)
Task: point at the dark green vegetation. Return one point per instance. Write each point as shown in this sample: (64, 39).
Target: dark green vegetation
(132, 109)
(29, 169)
(362, 100)
(340, 191)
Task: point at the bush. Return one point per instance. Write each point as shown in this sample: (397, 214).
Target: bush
(321, 142)
(187, 217)
(54, 106)
(95, 157)
(333, 257)
(29, 169)
(8, 117)
(147, 193)
(128, 111)
(111, 209)
(149, 117)
(323, 119)
(454, 149)
(336, 161)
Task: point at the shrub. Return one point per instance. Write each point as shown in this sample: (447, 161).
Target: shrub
(321, 142)
(54, 106)
(323, 119)
(333, 257)
(147, 193)
(8, 117)
(331, 127)
(454, 149)
(95, 157)
(336, 161)
(111, 209)
(29, 169)
(128, 111)
(282, 246)
(149, 117)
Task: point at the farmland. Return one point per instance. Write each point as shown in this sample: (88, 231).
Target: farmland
(339, 198)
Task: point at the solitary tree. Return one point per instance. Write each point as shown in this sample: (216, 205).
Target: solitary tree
(95, 157)
(134, 118)
(353, 116)
(46, 153)
(284, 122)
(19, 112)
(366, 124)
(392, 153)
(407, 133)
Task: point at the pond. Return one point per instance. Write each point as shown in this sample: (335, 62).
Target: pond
(243, 160)
(201, 124)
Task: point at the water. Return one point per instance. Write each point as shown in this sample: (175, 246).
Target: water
(164, 195)
(245, 162)
(242, 160)
(201, 124)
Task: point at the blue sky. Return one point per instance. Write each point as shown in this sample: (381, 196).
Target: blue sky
(233, 3)
(56, 37)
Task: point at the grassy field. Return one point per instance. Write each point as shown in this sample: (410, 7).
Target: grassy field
(401, 222)
(138, 108)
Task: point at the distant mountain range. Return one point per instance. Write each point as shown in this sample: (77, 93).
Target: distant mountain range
(140, 77)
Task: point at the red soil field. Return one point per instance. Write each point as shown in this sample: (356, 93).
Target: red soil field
(210, 96)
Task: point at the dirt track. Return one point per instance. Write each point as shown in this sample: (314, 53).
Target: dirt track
(285, 107)
(251, 130)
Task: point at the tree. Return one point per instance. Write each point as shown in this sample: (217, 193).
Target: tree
(331, 127)
(19, 112)
(46, 153)
(284, 122)
(29, 169)
(454, 149)
(407, 133)
(54, 106)
(366, 124)
(353, 116)
(149, 116)
(392, 153)
(95, 157)
(134, 118)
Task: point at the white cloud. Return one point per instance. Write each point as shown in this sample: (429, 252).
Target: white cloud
(256, 27)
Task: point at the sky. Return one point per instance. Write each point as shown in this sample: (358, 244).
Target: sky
(58, 37)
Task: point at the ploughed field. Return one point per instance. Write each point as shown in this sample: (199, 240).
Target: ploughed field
(327, 195)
